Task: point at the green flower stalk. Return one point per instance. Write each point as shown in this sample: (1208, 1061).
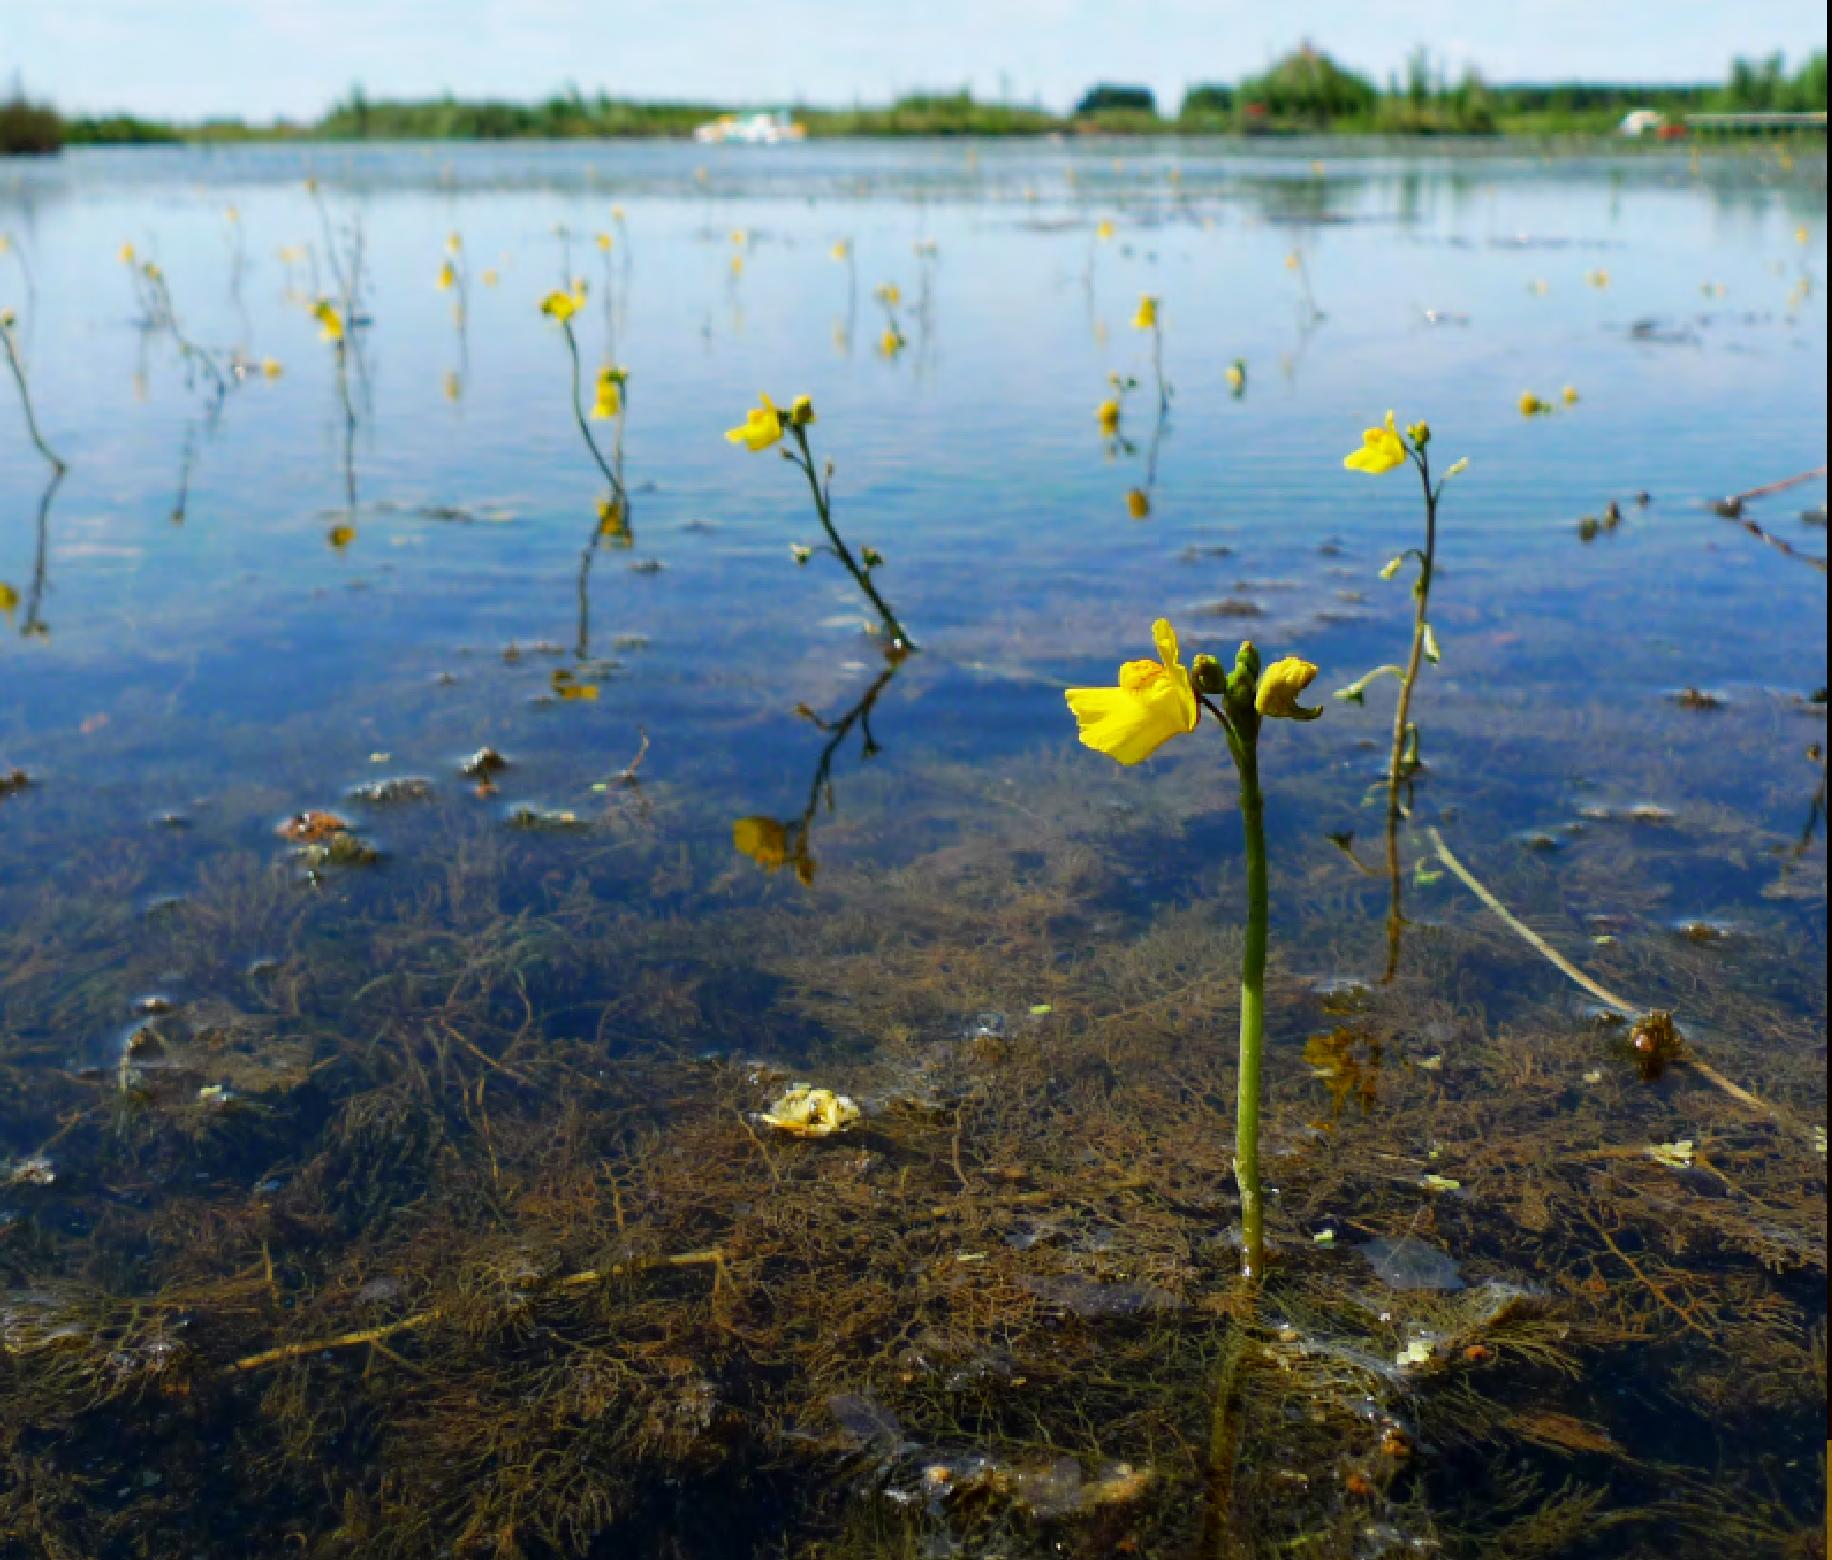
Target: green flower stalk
(1154, 702)
(765, 425)
(17, 365)
(608, 401)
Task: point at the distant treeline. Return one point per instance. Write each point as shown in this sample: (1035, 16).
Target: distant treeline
(1304, 91)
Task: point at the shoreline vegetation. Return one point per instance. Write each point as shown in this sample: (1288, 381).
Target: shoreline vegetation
(1306, 92)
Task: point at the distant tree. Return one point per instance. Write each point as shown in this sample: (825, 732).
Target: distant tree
(29, 127)
(1106, 97)
(1308, 88)
(1208, 97)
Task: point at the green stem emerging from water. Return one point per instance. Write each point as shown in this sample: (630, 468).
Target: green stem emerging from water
(900, 640)
(1420, 622)
(585, 431)
(1252, 1008)
(25, 398)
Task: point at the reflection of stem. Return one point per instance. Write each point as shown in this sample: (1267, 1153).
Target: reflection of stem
(1157, 437)
(25, 397)
(823, 506)
(1396, 913)
(193, 355)
(859, 715)
(349, 442)
(1157, 367)
(34, 624)
(182, 503)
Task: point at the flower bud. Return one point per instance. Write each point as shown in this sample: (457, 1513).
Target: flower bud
(1419, 433)
(1277, 695)
(1207, 675)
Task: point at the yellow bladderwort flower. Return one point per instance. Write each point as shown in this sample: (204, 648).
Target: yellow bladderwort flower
(1138, 503)
(448, 278)
(762, 426)
(9, 598)
(330, 322)
(271, 369)
(560, 306)
(340, 536)
(604, 242)
(607, 398)
(126, 253)
(1570, 395)
(1598, 278)
(889, 293)
(1147, 316)
(1107, 414)
(890, 343)
(1279, 686)
(1381, 450)
(841, 251)
(1153, 703)
(1104, 231)
(613, 523)
(1531, 405)
(740, 238)
(1236, 375)
(454, 243)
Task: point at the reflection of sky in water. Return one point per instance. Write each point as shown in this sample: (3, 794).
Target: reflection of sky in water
(241, 643)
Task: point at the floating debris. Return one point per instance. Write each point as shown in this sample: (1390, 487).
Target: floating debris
(1697, 699)
(1675, 1156)
(341, 848)
(543, 819)
(33, 1170)
(486, 761)
(12, 780)
(392, 791)
(806, 1111)
(312, 827)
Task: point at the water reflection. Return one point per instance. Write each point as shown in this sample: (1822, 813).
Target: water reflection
(777, 842)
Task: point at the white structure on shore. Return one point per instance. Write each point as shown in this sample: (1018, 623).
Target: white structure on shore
(764, 128)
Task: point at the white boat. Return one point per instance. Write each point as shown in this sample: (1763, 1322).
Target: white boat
(765, 128)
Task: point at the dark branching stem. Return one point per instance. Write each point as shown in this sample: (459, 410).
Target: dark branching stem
(25, 399)
(803, 457)
(34, 624)
(1422, 591)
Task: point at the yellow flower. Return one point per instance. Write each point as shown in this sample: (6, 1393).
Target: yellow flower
(1570, 394)
(801, 411)
(561, 306)
(453, 385)
(454, 243)
(1153, 703)
(841, 251)
(447, 277)
(1381, 450)
(230, 214)
(1279, 687)
(1104, 231)
(271, 369)
(762, 426)
(764, 840)
(890, 293)
(330, 322)
(890, 343)
(1598, 278)
(604, 242)
(9, 598)
(1107, 414)
(1138, 503)
(1531, 405)
(740, 238)
(341, 536)
(1800, 234)
(127, 254)
(1292, 261)
(490, 278)
(7, 319)
(608, 399)
(810, 1112)
(737, 265)
(151, 271)
(1236, 375)
(613, 523)
(617, 213)
(1147, 317)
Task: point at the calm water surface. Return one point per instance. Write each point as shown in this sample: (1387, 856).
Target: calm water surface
(469, 1098)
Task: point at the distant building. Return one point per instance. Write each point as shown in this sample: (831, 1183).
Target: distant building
(764, 128)
(1641, 121)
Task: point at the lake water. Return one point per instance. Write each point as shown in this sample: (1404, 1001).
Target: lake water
(422, 1204)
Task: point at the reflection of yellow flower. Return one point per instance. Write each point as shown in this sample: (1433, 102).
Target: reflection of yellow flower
(1381, 450)
(767, 842)
(1138, 503)
(762, 426)
(1153, 703)
(810, 1112)
(560, 306)
(1147, 316)
(1531, 405)
(1279, 687)
(1570, 395)
(1107, 414)
(448, 277)
(330, 322)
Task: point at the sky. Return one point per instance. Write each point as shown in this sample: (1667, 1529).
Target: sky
(258, 59)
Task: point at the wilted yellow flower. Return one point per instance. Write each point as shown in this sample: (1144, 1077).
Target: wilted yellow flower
(1153, 703)
(1531, 405)
(1279, 686)
(271, 369)
(1381, 450)
(810, 1112)
(1570, 395)
(330, 322)
(1138, 503)
(1147, 316)
(561, 306)
(801, 411)
(762, 426)
(448, 277)
(1107, 414)
(1104, 231)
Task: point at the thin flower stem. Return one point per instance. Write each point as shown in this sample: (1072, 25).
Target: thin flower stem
(610, 476)
(25, 399)
(1427, 565)
(861, 577)
(1252, 1010)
